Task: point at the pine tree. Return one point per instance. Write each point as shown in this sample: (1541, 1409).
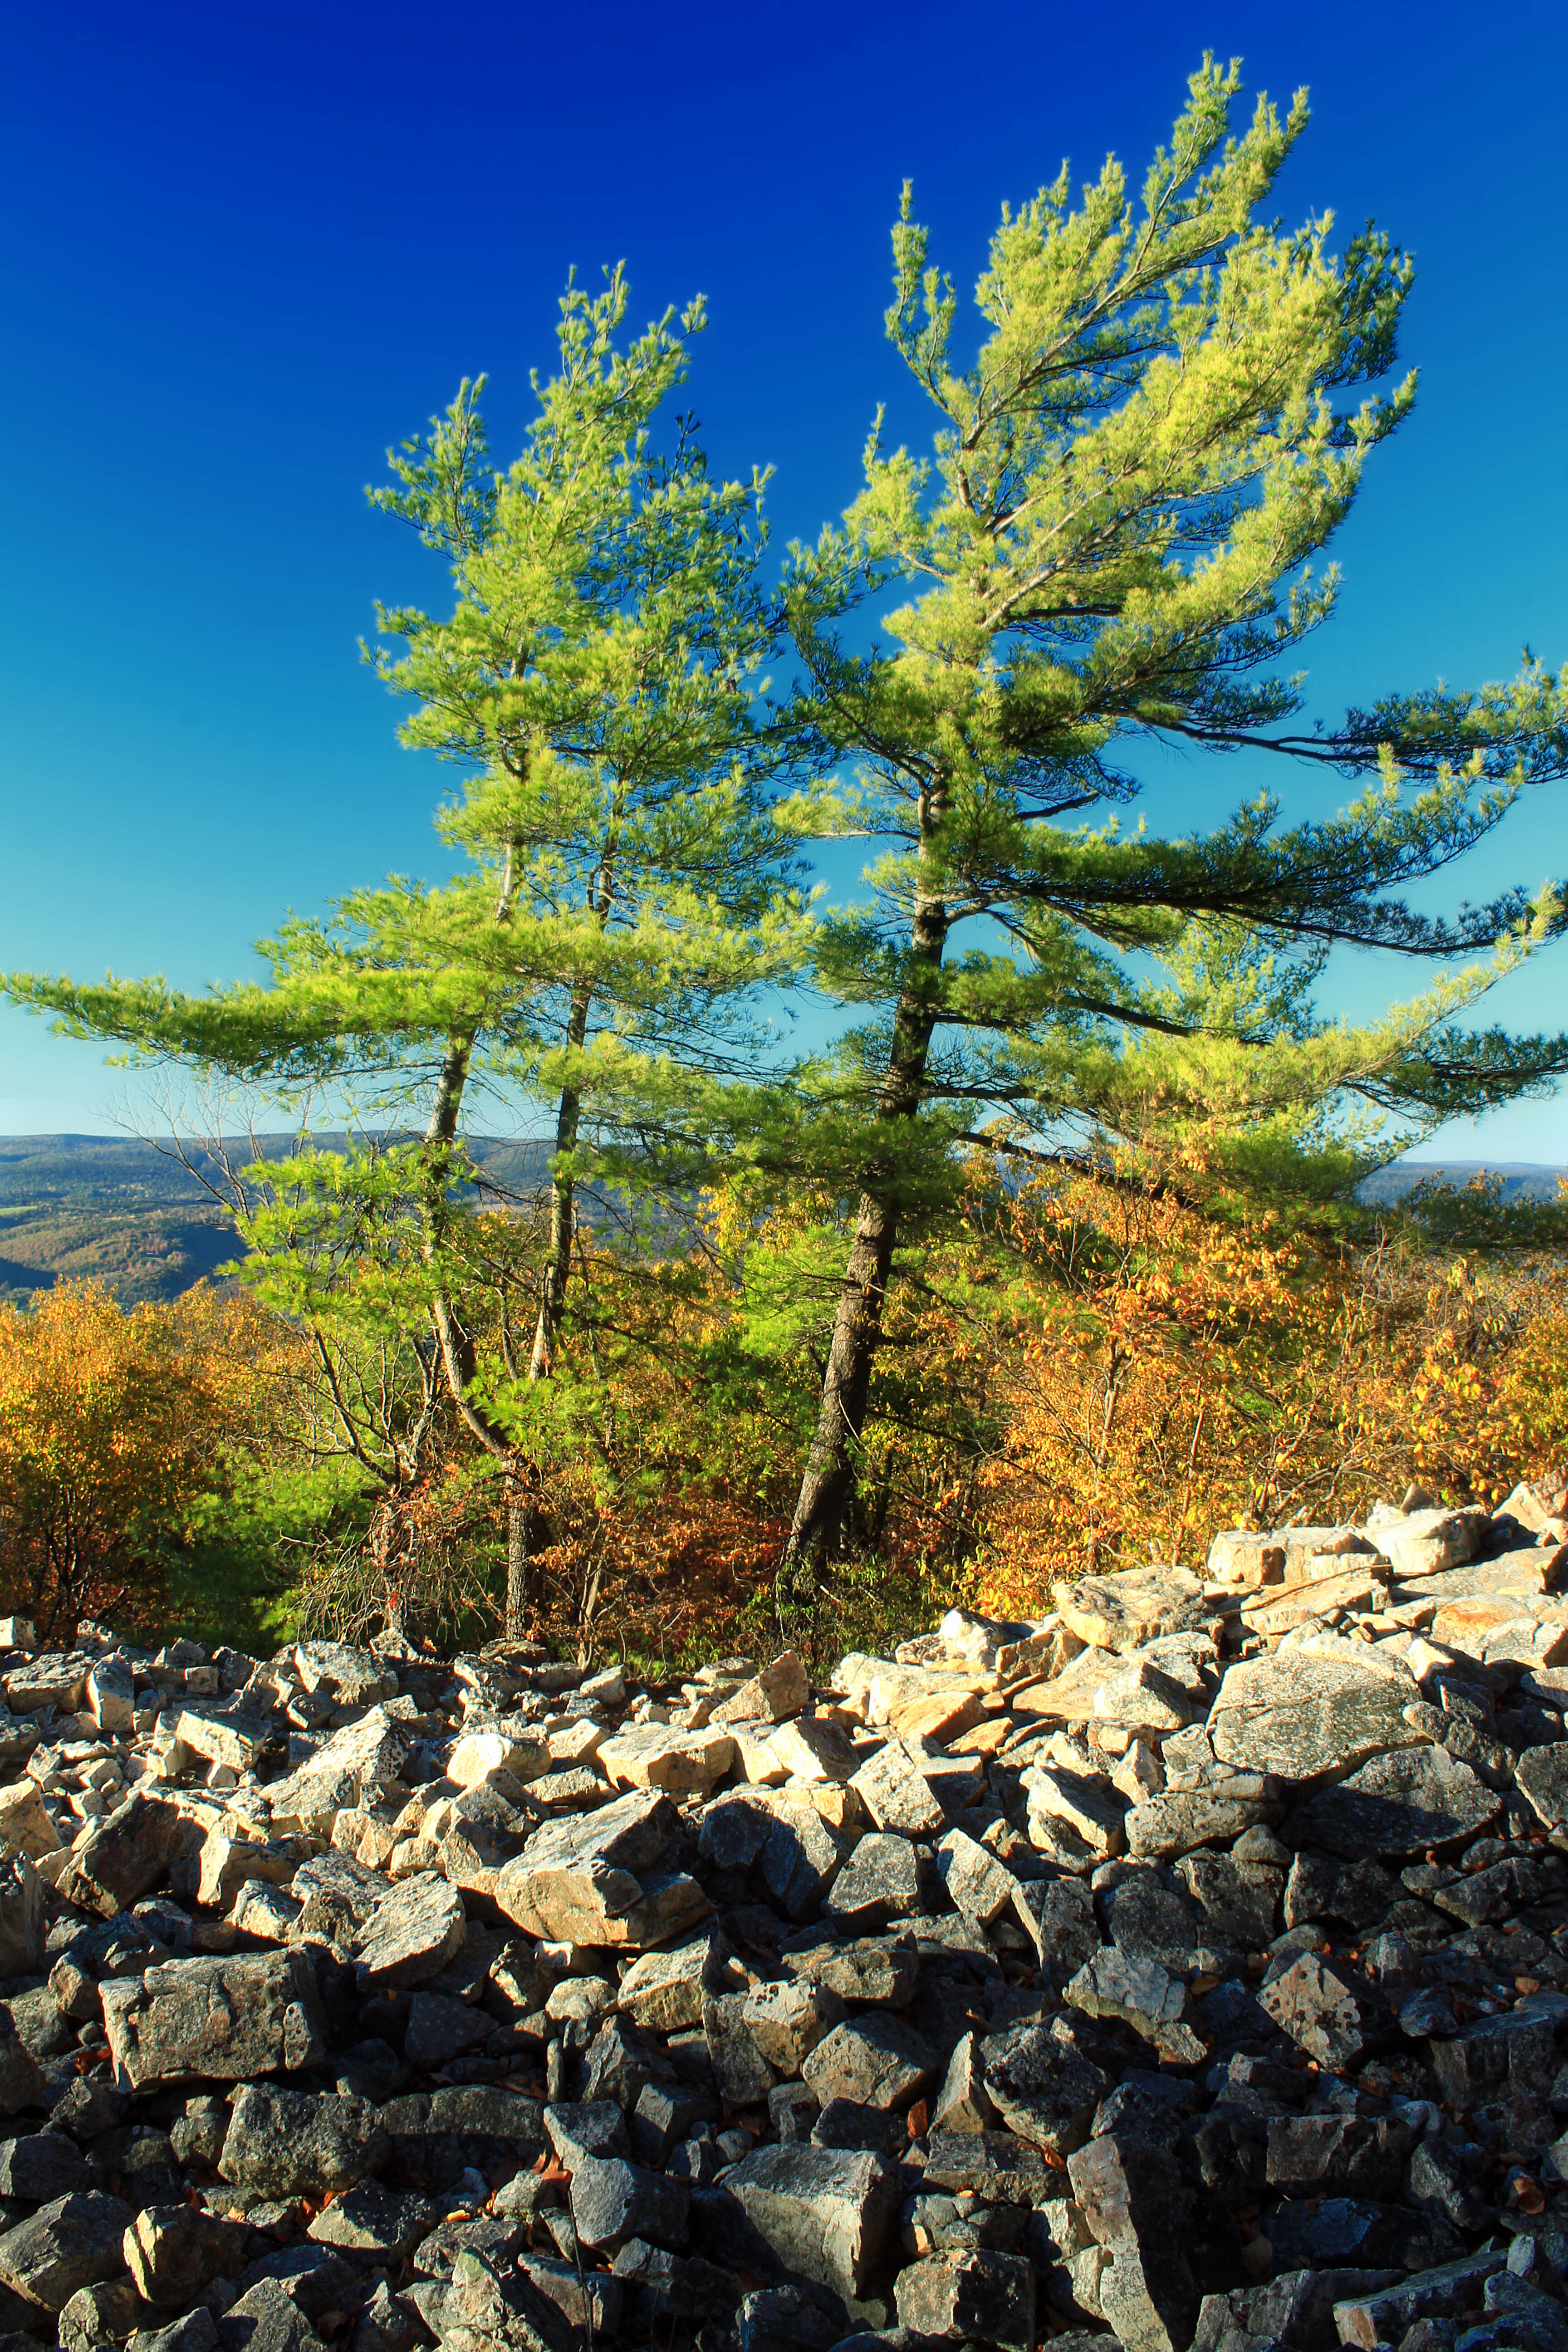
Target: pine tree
(1111, 547)
(623, 896)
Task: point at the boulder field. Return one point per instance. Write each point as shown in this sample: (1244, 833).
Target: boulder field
(1185, 1967)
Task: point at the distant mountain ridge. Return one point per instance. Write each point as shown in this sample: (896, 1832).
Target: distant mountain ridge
(132, 1215)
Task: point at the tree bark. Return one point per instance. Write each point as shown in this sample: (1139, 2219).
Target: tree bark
(562, 1193)
(519, 1576)
(833, 1454)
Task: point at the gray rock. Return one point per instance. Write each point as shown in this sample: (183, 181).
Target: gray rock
(1058, 1913)
(70, 2242)
(663, 1990)
(801, 1857)
(1299, 1713)
(196, 2332)
(1356, 2155)
(787, 2021)
(23, 1925)
(742, 2075)
(106, 2312)
(286, 2143)
(42, 2166)
(963, 2103)
(1371, 2319)
(440, 2028)
(1324, 1886)
(266, 2319)
(881, 1881)
(175, 2252)
(21, 2081)
(130, 1851)
(1329, 2011)
(824, 2214)
(1501, 2068)
(230, 2019)
(977, 1884)
(1185, 1819)
(586, 2127)
(878, 2061)
(613, 2199)
(992, 2164)
(1132, 2198)
(1044, 2089)
(879, 1972)
(898, 1794)
(1142, 1994)
(1397, 1806)
(414, 1931)
(375, 2221)
(1542, 1777)
(979, 2295)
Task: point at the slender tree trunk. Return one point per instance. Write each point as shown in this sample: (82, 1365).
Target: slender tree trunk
(519, 1576)
(562, 1191)
(833, 1454)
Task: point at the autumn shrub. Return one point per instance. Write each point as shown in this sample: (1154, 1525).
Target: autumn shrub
(117, 1433)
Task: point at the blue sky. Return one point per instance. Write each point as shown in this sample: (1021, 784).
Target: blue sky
(244, 250)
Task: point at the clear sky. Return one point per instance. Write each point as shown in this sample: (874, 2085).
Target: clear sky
(245, 249)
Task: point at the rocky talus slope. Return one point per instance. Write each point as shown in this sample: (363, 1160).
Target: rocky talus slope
(1189, 1967)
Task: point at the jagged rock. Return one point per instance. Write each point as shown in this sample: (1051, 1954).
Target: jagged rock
(228, 2019)
(613, 2199)
(1124, 1611)
(129, 1854)
(1542, 1777)
(413, 1932)
(26, 1825)
(1092, 1808)
(801, 1856)
(977, 1884)
(375, 2221)
(661, 1755)
(1059, 1913)
(70, 2242)
(353, 1677)
(787, 2021)
(1358, 2156)
(823, 2214)
(1382, 2317)
(1301, 1713)
(1331, 2013)
(573, 1880)
(963, 2103)
(877, 2062)
(175, 2252)
(22, 1921)
(1397, 1806)
(286, 2143)
(1142, 1994)
(898, 1794)
(881, 1881)
(663, 1990)
(1132, 2198)
(779, 1691)
(964, 2296)
(1181, 1821)
(42, 2166)
(1043, 2089)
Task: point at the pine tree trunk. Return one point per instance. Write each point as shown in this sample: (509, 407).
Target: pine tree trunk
(563, 1190)
(834, 1455)
(519, 1580)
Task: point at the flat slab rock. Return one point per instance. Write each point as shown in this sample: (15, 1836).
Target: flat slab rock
(1299, 1713)
(1397, 1806)
(1124, 1611)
